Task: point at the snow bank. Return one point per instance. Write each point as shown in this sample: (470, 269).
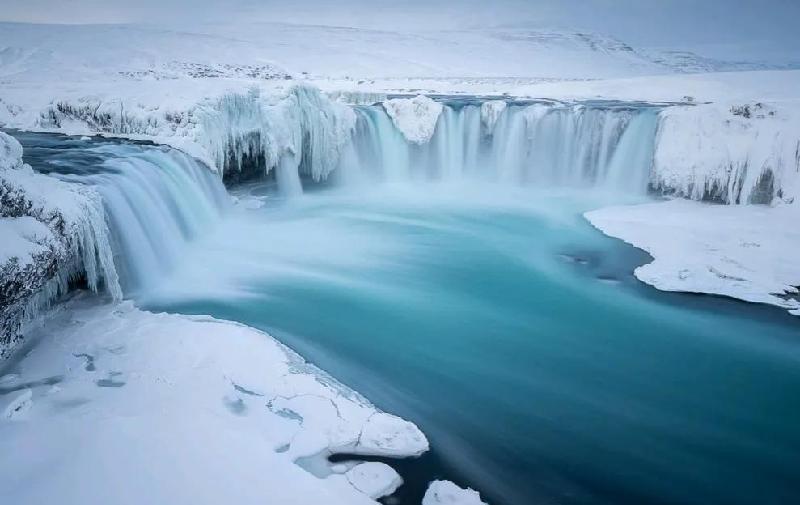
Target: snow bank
(746, 252)
(444, 492)
(53, 233)
(415, 117)
(734, 154)
(119, 405)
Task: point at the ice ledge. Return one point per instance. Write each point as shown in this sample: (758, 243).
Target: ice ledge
(221, 404)
(747, 252)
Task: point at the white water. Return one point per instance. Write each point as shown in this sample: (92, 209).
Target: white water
(156, 201)
(536, 145)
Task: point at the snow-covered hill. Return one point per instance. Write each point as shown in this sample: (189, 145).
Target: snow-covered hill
(280, 51)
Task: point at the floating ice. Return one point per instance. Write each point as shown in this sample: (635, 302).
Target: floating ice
(444, 492)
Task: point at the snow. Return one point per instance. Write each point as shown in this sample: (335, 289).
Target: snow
(72, 211)
(10, 153)
(733, 153)
(374, 479)
(415, 117)
(444, 492)
(745, 252)
(23, 237)
(278, 50)
(181, 409)
(53, 232)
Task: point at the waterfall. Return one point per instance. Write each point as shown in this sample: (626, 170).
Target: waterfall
(608, 147)
(156, 200)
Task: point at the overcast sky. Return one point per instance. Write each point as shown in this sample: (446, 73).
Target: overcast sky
(767, 24)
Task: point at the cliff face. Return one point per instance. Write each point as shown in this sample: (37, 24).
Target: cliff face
(729, 153)
(54, 234)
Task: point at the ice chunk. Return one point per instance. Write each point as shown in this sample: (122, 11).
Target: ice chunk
(374, 479)
(444, 492)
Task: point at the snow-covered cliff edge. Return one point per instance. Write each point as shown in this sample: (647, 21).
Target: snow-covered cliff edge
(737, 153)
(53, 233)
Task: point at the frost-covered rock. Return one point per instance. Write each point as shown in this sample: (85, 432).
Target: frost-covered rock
(734, 154)
(53, 233)
(491, 110)
(415, 117)
(444, 492)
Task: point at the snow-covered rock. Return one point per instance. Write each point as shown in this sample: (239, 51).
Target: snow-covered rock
(444, 492)
(203, 411)
(415, 117)
(729, 153)
(53, 233)
(742, 251)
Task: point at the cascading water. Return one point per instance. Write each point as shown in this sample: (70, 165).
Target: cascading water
(544, 145)
(156, 199)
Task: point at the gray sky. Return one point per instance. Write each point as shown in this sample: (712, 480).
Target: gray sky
(717, 25)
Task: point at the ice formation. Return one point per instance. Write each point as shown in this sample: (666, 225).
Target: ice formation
(374, 479)
(735, 154)
(415, 117)
(305, 130)
(444, 492)
(59, 235)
